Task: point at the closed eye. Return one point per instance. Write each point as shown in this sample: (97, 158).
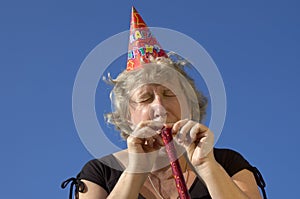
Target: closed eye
(169, 93)
(144, 98)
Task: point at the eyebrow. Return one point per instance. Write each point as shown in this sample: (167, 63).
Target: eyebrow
(140, 92)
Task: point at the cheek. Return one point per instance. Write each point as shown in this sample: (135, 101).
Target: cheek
(184, 110)
(139, 114)
(174, 109)
(178, 110)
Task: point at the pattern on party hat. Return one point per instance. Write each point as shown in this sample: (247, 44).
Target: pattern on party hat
(142, 43)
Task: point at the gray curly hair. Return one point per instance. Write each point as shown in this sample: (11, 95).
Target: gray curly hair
(159, 69)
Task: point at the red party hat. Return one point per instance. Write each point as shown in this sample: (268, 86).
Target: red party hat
(142, 43)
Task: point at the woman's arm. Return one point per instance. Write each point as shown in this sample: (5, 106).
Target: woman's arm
(128, 186)
(92, 191)
(198, 141)
(246, 182)
(142, 152)
(220, 185)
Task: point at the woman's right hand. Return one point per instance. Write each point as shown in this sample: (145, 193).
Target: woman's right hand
(143, 145)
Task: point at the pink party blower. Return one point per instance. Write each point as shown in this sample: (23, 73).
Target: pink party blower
(167, 137)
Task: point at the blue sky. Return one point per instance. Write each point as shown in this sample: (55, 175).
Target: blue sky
(43, 43)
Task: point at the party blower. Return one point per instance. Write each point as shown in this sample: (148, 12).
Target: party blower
(167, 137)
(158, 113)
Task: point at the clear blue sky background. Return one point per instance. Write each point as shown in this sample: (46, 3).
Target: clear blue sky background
(255, 45)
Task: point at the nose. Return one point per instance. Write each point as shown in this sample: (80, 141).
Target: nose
(158, 112)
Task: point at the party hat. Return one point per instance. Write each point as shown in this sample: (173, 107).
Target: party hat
(142, 43)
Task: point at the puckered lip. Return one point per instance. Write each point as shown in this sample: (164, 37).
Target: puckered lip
(168, 125)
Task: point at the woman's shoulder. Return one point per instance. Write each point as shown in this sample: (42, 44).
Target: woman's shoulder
(225, 151)
(107, 162)
(231, 160)
(103, 171)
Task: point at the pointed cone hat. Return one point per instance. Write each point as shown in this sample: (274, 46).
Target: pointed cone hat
(142, 43)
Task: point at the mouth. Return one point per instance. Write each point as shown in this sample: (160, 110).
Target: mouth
(161, 119)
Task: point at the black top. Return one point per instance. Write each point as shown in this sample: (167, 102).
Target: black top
(99, 171)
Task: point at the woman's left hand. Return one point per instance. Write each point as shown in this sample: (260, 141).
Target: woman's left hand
(197, 139)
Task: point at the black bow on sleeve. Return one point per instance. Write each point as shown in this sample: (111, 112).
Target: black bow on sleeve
(79, 186)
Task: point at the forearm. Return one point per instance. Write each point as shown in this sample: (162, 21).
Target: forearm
(218, 182)
(128, 186)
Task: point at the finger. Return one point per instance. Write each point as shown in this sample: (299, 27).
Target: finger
(169, 125)
(149, 141)
(198, 131)
(206, 145)
(144, 132)
(207, 139)
(134, 140)
(184, 133)
(158, 140)
(135, 144)
(147, 131)
(178, 125)
(155, 125)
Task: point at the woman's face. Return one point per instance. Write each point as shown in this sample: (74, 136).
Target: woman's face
(153, 101)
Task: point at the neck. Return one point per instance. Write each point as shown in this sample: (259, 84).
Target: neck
(166, 172)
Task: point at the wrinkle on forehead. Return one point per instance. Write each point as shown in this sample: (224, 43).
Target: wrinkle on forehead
(147, 87)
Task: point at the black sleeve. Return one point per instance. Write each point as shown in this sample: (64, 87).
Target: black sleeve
(231, 161)
(105, 172)
(94, 171)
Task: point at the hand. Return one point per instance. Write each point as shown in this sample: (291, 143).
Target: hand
(143, 145)
(145, 138)
(197, 139)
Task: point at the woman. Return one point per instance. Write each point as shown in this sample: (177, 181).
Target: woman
(217, 173)
(157, 93)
